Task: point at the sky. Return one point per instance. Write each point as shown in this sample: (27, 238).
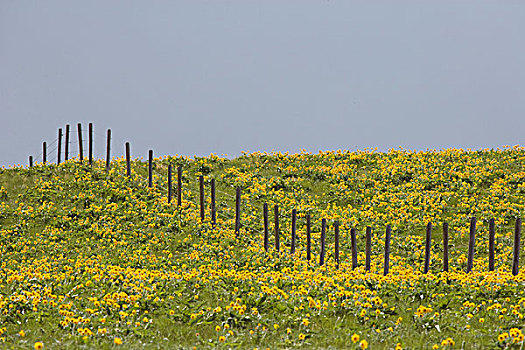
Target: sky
(199, 77)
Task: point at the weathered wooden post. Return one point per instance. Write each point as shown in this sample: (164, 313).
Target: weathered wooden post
(265, 222)
(44, 152)
(150, 168)
(179, 185)
(108, 150)
(323, 237)
(80, 145)
(66, 144)
(212, 208)
(471, 244)
(308, 238)
(30, 161)
(294, 221)
(336, 243)
(276, 225)
(516, 258)
(445, 247)
(368, 247)
(169, 183)
(128, 160)
(90, 143)
(386, 266)
(59, 149)
(353, 245)
(428, 239)
(492, 234)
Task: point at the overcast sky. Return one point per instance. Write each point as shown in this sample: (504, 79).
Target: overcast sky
(196, 77)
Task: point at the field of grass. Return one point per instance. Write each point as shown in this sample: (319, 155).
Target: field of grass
(91, 259)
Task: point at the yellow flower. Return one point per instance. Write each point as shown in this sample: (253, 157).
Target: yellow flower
(398, 346)
(222, 338)
(218, 328)
(38, 345)
(288, 331)
(276, 326)
(301, 336)
(117, 341)
(22, 333)
(435, 347)
(363, 344)
(355, 338)
(305, 322)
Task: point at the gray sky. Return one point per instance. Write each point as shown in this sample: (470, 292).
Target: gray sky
(196, 77)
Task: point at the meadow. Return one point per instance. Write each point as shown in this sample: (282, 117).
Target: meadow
(96, 259)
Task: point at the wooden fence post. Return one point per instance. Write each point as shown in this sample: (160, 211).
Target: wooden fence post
(201, 198)
(492, 234)
(237, 211)
(66, 144)
(90, 143)
(276, 225)
(169, 183)
(150, 168)
(59, 149)
(368, 248)
(323, 237)
(212, 208)
(516, 258)
(44, 152)
(445, 247)
(336, 243)
(294, 222)
(353, 246)
(265, 221)
(471, 244)
(308, 238)
(80, 145)
(179, 185)
(428, 239)
(108, 150)
(128, 160)
(387, 249)
(30, 161)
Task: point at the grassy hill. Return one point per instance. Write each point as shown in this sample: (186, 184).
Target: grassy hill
(92, 259)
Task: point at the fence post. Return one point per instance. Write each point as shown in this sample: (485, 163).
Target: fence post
(492, 234)
(66, 144)
(308, 238)
(237, 211)
(445, 247)
(323, 237)
(169, 183)
(80, 145)
(108, 150)
(59, 149)
(265, 222)
(90, 143)
(368, 247)
(150, 168)
(44, 152)
(516, 258)
(387, 249)
(128, 160)
(294, 222)
(336, 243)
(213, 213)
(30, 161)
(428, 239)
(179, 185)
(201, 199)
(276, 224)
(471, 244)
(353, 245)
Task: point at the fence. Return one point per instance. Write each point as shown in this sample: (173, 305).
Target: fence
(277, 233)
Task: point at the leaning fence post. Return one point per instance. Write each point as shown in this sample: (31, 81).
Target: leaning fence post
(66, 144)
(387, 250)
(368, 247)
(265, 222)
(471, 244)
(428, 239)
(90, 143)
(108, 150)
(179, 185)
(44, 152)
(212, 207)
(276, 225)
(445, 247)
(492, 234)
(353, 246)
(201, 198)
(237, 211)
(169, 183)
(80, 145)
(294, 221)
(323, 237)
(516, 258)
(308, 238)
(128, 160)
(336, 243)
(150, 168)
(59, 149)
